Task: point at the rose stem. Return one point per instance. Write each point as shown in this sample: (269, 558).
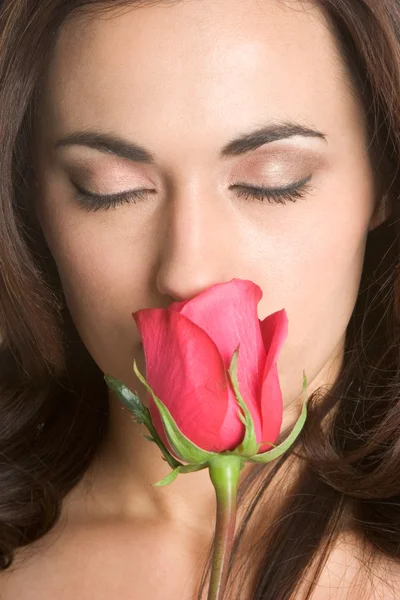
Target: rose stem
(224, 473)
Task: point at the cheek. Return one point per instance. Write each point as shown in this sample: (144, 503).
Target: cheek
(102, 290)
(311, 253)
(105, 278)
(318, 264)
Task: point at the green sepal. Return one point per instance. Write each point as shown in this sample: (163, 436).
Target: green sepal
(183, 469)
(132, 401)
(181, 445)
(285, 445)
(168, 478)
(141, 415)
(248, 447)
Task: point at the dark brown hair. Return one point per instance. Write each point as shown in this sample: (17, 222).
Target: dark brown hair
(53, 398)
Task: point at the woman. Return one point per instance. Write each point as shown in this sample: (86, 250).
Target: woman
(148, 151)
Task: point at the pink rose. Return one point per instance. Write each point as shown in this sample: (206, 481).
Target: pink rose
(188, 348)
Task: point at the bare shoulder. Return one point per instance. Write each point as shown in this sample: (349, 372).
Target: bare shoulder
(384, 581)
(106, 559)
(351, 574)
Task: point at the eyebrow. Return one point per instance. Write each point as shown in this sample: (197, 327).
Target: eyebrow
(123, 148)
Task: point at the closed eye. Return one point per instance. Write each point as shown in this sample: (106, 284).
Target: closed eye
(92, 202)
(291, 193)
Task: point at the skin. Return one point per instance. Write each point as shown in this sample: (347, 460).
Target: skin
(183, 80)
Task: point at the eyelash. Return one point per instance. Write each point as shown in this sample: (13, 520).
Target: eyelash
(92, 202)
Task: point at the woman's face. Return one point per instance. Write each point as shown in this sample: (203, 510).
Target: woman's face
(152, 100)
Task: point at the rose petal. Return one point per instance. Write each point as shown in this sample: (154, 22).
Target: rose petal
(274, 330)
(228, 313)
(185, 370)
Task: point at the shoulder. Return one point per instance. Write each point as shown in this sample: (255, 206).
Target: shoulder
(384, 581)
(352, 573)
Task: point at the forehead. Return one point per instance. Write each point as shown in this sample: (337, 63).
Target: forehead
(195, 63)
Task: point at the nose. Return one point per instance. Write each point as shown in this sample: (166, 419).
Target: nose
(198, 246)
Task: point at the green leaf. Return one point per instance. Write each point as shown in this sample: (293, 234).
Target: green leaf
(181, 445)
(248, 446)
(266, 442)
(141, 415)
(183, 469)
(184, 448)
(242, 417)
(131, 400)
(193, 468)
(168, 478)
(285, 445)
